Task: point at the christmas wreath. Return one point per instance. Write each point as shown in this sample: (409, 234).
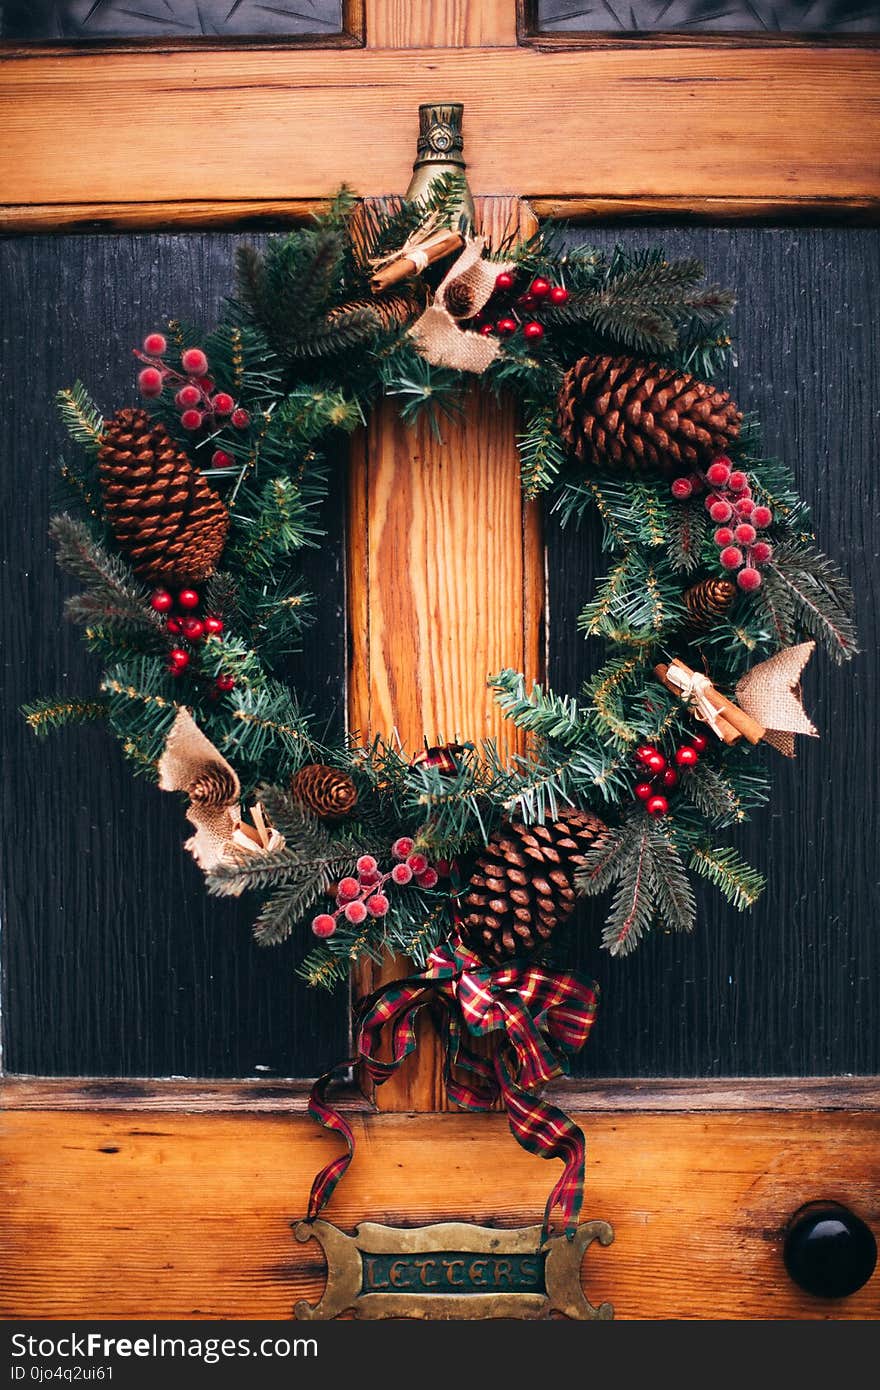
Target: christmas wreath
(188, 510)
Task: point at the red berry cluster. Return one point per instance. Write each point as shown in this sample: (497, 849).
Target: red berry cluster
(194, 395)
(365, 896)
(660, 776)
(738, 517)
(508, 311)
(183, 622)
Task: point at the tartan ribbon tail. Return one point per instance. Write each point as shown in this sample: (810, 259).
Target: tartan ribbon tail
(320, 1110)
(545, 1130)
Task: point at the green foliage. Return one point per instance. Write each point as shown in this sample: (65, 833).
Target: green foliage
(641, 862)
(740, 884)
(112, 599)
(804, 591)
(44, 716)
(541, 453)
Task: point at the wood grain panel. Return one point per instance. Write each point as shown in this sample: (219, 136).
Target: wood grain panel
(445, 588)
(742, 124)
(187, 1216)
(440, 23)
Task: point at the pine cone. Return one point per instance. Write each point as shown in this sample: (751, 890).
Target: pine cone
(707, 601)
(163, 514)
(459, 298)
(522, 886)
(214, 786)
(328, 792)
(620, 412)
(391, 310)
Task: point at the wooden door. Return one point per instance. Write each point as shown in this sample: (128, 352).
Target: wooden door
(696, 1157)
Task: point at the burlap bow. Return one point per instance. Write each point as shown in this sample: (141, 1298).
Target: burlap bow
(771, 693)
(190, 763)
(460, 295)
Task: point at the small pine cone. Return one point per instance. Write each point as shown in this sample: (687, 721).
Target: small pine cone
(328, 792)
(214, 786)
(619, 412)
(459, 298)
(522, 886)
(164, 516)
(707, 601)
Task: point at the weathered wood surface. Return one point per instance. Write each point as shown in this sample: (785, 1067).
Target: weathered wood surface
(273, 124)
(187, 1216)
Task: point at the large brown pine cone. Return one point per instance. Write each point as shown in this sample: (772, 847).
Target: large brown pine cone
(328, 792)
(522, 886)
(163, 514)
(707, 601)
(390, 309)
(624, 413)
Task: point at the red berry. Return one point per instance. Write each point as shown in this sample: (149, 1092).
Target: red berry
(402, 847)
(213, 626)
(225, 683)
(762, 516)
(527, 301)
(657, 806)
(723, 536)
(700, 742)
(323, 924)
(718, 472)
(656, 763)
(737, 481)
(150, 381)
(682, 489)
(533, 331)
(179, 658)
(220, 459)
(745, 533)
(486, 329)
(749, 579)
(368, 880)
(506, 326)
(401, 873)
(762, 551)
(155, 344)
(191, 419)
(539, 287)
(222, 403)
(643, 790)
(670, 777)
(417, 862)
(687, 757)
(646, 751)
(731, 557)
(366, 864)
(721, 511)
(356, 913)
(347, 888)
(428, 879)
(174, 626)
(188, 396)
(188, 598)
(193, 629)
(161, 601)
(558, 295)
(504, 281)
(744, 507)
(194, 361)
(240, 419)
(378, 905)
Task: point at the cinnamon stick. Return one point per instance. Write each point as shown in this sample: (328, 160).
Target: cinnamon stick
(434, 249)
(733, 722)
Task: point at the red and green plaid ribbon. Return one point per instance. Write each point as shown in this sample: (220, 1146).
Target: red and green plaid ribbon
(544, 1016)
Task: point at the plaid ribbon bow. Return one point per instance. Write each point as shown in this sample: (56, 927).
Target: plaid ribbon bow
(544, 1016)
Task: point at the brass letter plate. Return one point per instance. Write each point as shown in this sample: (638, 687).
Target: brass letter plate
(452, 1270)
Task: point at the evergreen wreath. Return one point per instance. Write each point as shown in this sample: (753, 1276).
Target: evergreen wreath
(184, 522)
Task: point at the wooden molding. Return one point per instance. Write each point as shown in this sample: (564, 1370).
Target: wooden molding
(752, 130)
(623, 1095)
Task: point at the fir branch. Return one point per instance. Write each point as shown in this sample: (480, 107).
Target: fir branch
(541, 454)
(80, 416)
(113, 598)
(740, 884)
(551, 716)
(43, 716)
(687, 528)
(725, 798)
(821, 598)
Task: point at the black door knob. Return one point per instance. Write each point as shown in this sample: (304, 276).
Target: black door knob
(828, 1250)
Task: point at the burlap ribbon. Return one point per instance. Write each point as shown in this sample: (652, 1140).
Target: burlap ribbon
(462, 293)
(190, 763)
(771, 693)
